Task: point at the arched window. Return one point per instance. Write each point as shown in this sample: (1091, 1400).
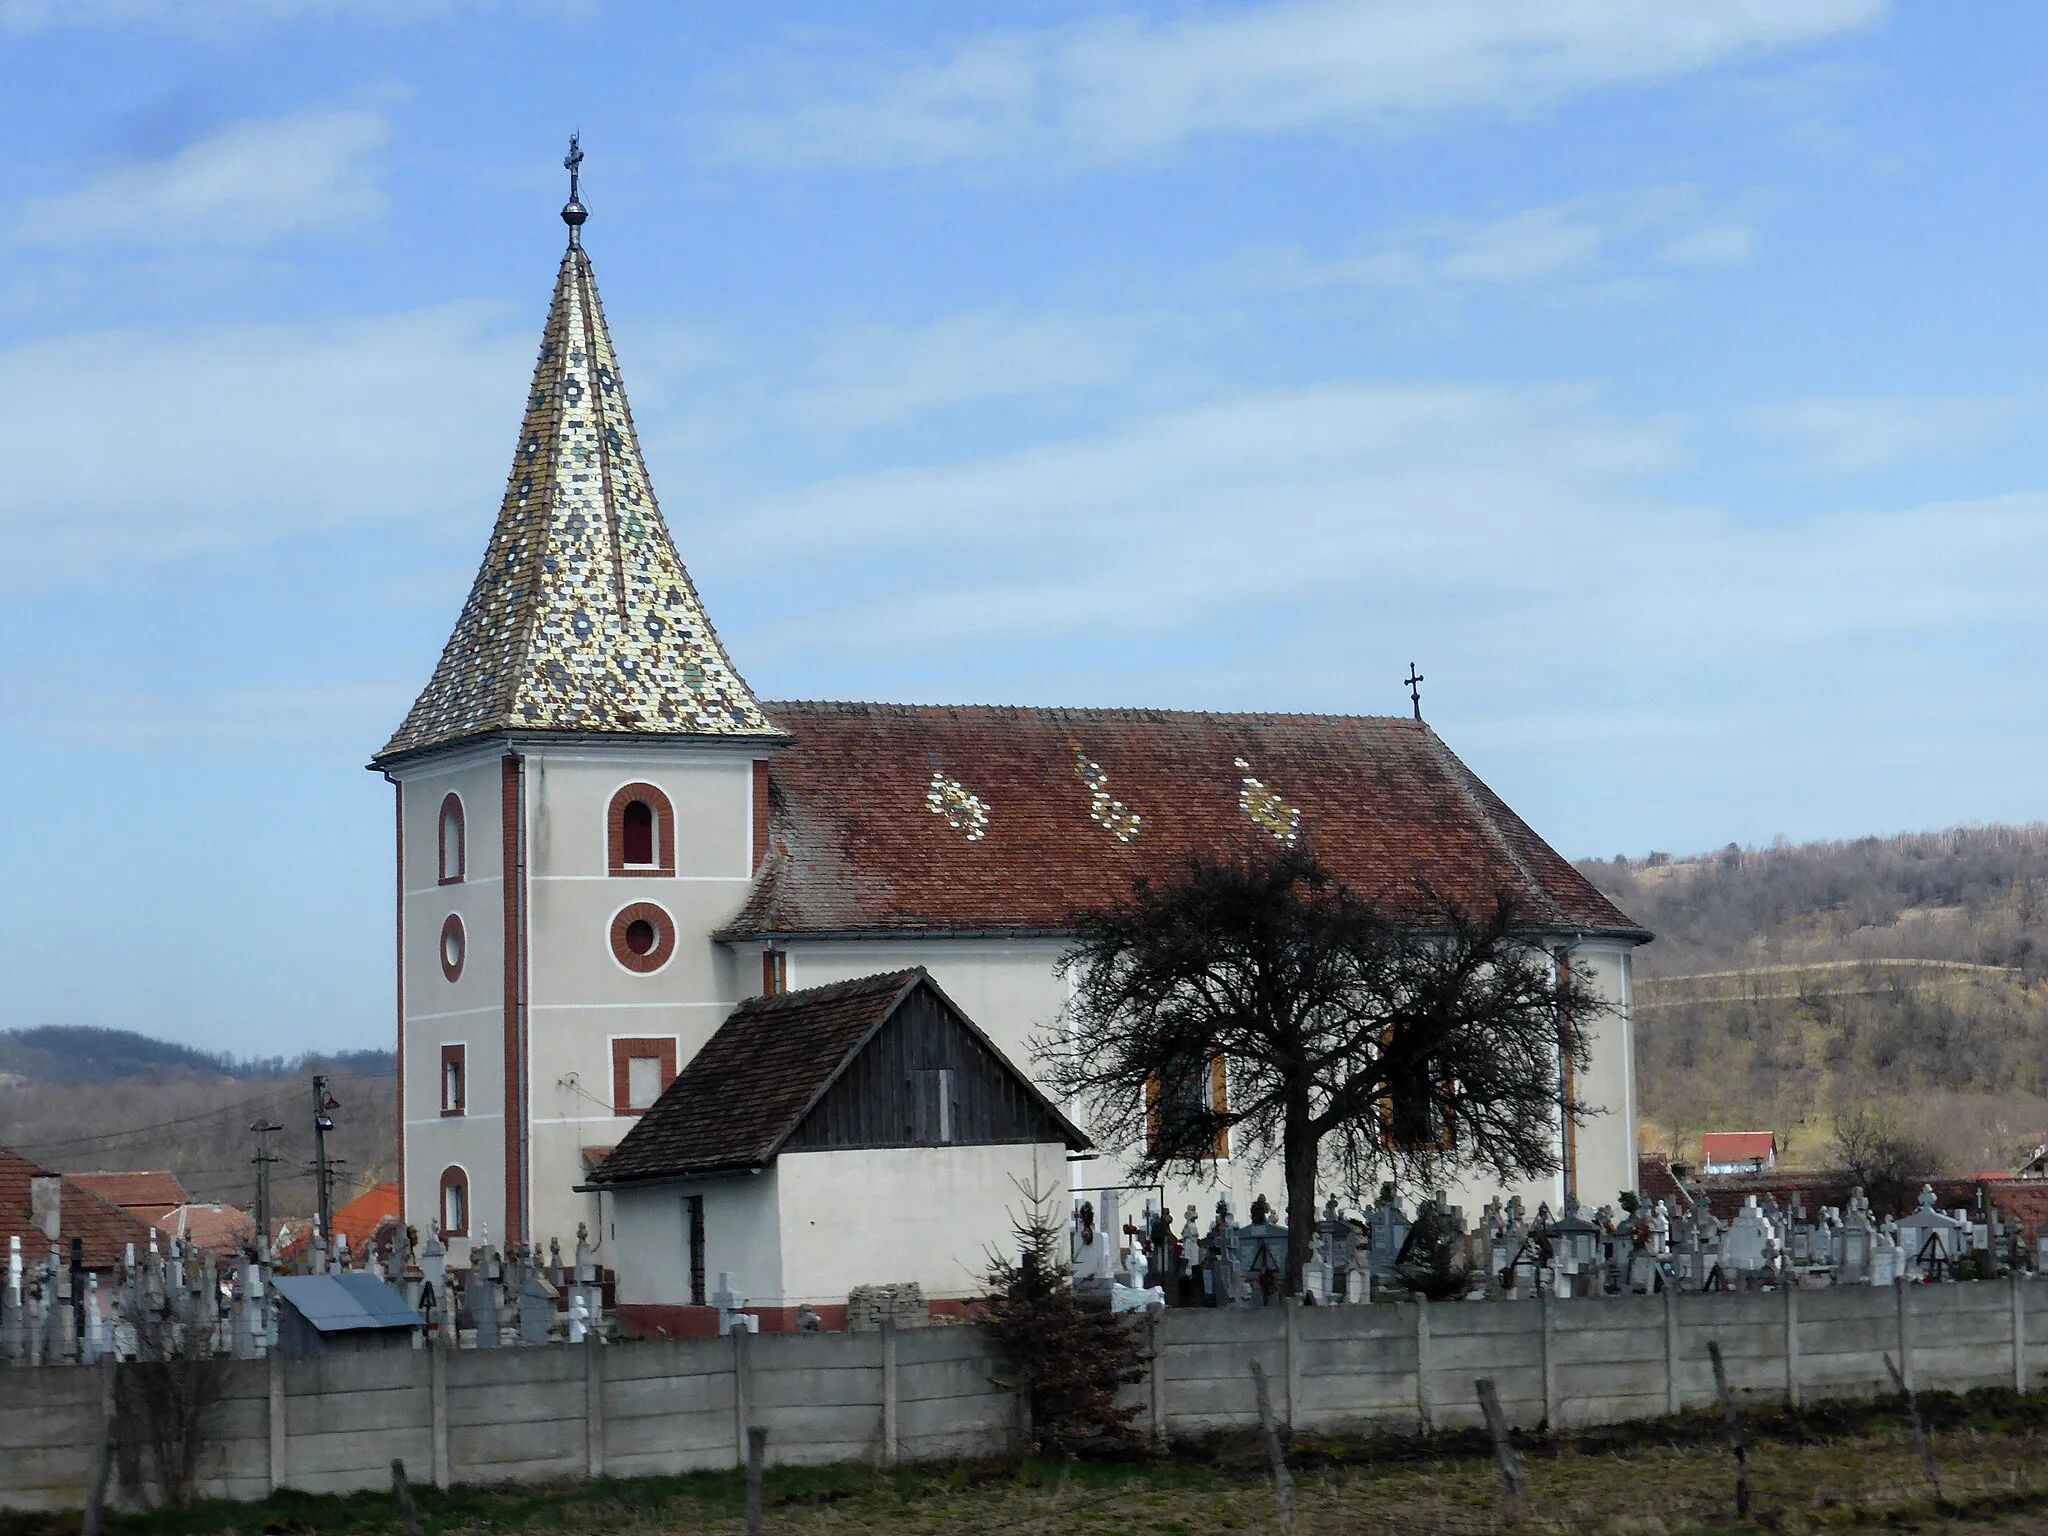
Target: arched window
(454, 1202)
(638, 835)
(641, 832)
(454, 849)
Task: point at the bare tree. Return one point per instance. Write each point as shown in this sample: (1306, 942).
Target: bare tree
(1882, 1155)
(1254, 997)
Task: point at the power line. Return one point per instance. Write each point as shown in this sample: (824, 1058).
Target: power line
(276, 1096)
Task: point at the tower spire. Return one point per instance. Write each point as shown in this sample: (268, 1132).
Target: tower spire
(573, 211)
(582, 617)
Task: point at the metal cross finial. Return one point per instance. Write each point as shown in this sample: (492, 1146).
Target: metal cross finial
(1415, 680)
(573, 211)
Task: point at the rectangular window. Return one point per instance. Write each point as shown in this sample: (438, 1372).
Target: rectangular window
(935, 1111)
(1416, 1112)
(693, 1237)
(1168, 1108)
(454, 1079)
(642, 1069)
(774, 972)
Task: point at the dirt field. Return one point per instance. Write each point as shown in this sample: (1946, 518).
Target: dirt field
(1827, 1470)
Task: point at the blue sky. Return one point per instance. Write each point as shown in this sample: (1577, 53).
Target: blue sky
(1666, 380)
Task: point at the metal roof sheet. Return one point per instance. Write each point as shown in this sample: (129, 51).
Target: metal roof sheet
(346, 1303)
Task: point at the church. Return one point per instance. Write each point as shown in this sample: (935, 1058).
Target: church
(613, 860)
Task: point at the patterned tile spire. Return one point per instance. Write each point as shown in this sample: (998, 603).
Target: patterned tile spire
(582, 617)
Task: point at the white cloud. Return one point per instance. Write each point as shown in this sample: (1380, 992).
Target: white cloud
(1525, 517)
(1583, 240)
(1859, 435)
(1117, 87)
(248, 185)
(129, 447)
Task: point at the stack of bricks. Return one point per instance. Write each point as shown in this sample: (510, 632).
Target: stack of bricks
(869, 1306)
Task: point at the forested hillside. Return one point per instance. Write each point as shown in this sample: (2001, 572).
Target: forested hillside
(1792, 984)
(80, 1099)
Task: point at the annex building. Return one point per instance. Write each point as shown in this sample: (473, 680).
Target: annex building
(610, 852)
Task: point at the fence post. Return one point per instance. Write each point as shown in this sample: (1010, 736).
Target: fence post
(1543, 1307)
(1791, 1346)
(1423, 1416)
(1674, 1400)
(278, 1470)
(437, 1366)
(1158, 1380)
(756, 1460)
(889, 1393)
(739, 1394)
(1905, 1337)
(593, 1404)
(1288, 1308)
(2019, 1334)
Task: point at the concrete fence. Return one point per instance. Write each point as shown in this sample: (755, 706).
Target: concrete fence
(333, 1423)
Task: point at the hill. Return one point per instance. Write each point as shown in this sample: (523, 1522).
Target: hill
(1904, 978)
(80, 1053)
(81, 1099)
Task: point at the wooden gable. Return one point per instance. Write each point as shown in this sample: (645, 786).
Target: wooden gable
(926, 1078)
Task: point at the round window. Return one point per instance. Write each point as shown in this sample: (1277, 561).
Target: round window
(453, 946)
(643, 936)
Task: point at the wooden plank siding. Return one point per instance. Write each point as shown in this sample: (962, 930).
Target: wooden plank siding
(876, 1101)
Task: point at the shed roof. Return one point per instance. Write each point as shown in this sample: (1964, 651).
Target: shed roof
(742, 1095)
(889, 818)
(346, 1303)
(1738, 1146)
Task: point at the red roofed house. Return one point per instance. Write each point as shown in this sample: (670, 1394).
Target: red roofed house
(607, 844)
(151, 1194)
(46, 1209)
(1739, 1151)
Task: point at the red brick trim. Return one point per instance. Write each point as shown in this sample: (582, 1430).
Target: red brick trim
(451, 803)
(453, 949)
(661, 1047)
(398, 941)
(664, 936)
(760, 810)
(511, 794)
(453, 1177)
(664, 831)
(459, 1055)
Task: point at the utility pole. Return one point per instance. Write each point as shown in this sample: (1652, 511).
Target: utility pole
(263, 1159)
(322, 1177)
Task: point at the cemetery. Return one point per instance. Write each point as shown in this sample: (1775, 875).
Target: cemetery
(515, 1370)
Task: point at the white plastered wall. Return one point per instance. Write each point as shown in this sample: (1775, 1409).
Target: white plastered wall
(649, 1238)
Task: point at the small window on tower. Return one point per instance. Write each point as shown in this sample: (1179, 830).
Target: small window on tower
(638, 833)
(641, 1070)
(454, 1203)
(453, 851)
(454, 1072)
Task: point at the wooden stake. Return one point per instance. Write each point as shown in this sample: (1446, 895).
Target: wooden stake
(1513, 1486)
(757, 1455)
(401, 1490)
(1283, 1484)
(1733, 1422)
(1920, 1442)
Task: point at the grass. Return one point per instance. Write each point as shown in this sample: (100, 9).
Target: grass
(1837, 1467)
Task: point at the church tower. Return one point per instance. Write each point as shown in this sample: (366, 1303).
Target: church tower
(582, 798)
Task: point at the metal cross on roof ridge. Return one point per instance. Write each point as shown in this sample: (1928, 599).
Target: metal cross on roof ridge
(573, 211)
(1415, 680)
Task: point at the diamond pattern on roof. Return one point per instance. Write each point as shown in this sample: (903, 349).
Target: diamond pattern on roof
(582, 616)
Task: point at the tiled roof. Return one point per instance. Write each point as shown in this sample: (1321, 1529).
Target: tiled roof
(582, 617)
(155, 1190)
(215, 1229)
(741, 1095)
(898, 818)
(105, 1228)
(1655, 1181)
(1737, 1146)
(764, 1067)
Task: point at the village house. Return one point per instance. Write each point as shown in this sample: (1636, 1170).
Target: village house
(607, 845)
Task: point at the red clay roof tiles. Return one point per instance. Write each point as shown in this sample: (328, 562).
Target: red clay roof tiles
(900, 818)
(105, 1228)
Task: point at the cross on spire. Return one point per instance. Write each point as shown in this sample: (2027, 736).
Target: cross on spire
(573, 211)
(1414, 680)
